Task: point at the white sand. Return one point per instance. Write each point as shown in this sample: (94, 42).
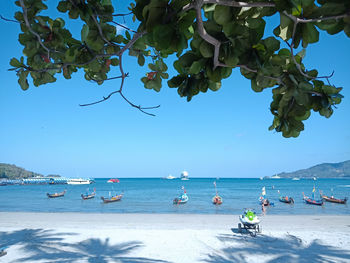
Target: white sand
(132, 238)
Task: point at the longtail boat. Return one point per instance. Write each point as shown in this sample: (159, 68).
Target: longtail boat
(88, 196)
(334, 200)
(286, 199)
(112, 199)
(217, 200)
(56, 194)
(312, 201)
(181, 199)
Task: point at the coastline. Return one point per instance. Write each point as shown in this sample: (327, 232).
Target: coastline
(94, 237)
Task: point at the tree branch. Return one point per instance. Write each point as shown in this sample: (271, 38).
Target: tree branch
(25, 17)
(123, 76)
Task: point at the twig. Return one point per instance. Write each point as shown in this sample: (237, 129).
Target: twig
(25, 17)
(9, 20)
(123, 76)
(228, 3)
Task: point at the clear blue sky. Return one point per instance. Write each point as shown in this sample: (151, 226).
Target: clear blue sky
(217, 134)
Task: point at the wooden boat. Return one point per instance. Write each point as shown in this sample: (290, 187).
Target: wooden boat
(112, 199)
(311, 201)
(217, 200)
(56, 194)
(88, 196)
(286, 199)
(181, 199)
(334, 200)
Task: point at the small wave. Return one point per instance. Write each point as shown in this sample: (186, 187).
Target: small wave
(345, 185)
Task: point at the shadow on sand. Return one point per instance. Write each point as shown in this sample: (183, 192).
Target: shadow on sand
(264, 248)
(49, 246)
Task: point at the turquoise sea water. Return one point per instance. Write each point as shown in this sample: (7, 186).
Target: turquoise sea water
(152, 195)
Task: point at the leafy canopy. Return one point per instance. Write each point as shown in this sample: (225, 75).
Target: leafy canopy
(210, 38)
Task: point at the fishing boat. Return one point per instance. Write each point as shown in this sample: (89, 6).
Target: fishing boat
(112, 199)
(88, 196)
(263, 199)
(332, 199)
(286, 199)
(217, 200)
(113, 180)
(181, 199)
(56, 194)
(312, 201)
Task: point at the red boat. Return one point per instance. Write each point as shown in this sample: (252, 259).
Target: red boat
(114, 180)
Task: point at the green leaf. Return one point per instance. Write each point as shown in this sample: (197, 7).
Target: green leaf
(84, 32)
(195, 67)
(310, 34)
(106, 2)
(175, 81)
(206, 49)
(222, 14)
(214, 86)
(15, 63)
(141, 60)
(22, 81)
(127, 34)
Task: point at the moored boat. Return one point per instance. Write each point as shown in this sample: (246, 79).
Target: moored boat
(112, 199)
(56, 194)
(88, 196)
(286, 199)
(217, 200)
(181, 199)
(113, 180)
(312, 201)
(332, 199)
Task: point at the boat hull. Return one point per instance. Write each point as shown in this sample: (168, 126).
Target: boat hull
(112, 199)
(55, 195)
(334, 200)
(86, 197)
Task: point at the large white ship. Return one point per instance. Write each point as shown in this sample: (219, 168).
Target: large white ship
(79, 181)
(184, 175)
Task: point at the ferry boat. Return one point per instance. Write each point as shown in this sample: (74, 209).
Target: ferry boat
(184, 175)
(79, 181)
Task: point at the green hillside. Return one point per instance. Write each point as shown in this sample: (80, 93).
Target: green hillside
(324, 170)
(10, 171)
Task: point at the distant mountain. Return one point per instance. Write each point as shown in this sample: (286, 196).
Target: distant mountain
(10, 171)
(324, 170)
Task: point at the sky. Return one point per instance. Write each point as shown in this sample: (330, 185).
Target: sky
(217, 134)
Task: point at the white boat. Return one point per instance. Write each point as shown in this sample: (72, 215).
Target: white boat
(79, 181)
(184, 175)
(296, 179)
(275, 177)
(170, 177)
(315, 178)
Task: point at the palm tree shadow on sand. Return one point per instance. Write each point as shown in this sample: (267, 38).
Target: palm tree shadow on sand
(49, 246)
(275, 250)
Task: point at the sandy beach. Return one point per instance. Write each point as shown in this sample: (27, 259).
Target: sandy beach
(77, 237)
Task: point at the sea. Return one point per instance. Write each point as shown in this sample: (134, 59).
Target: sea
(155, 195)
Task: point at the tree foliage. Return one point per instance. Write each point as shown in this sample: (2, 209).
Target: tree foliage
(210, 38)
